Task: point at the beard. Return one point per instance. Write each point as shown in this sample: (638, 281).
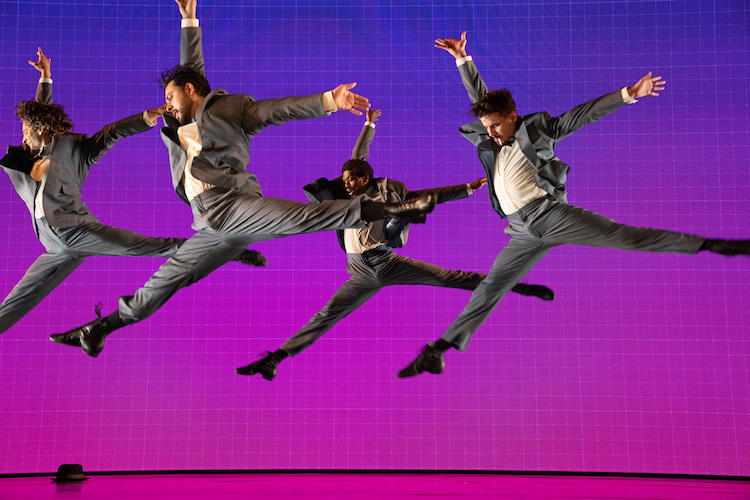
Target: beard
(183, 108)
(184, 112)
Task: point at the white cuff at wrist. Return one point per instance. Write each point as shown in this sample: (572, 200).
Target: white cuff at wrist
(328, 103)
(626, 96)
(148, 121)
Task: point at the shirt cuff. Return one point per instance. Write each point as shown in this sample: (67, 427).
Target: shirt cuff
(370, 124)
(463, 60)
(468, 189)
(626, 96)
(148, 121)
(189, 23)
(45, 80)
(328, 103)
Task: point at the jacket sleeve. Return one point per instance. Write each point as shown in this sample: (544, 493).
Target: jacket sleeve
(589, 112)
(444, 194)
(18, 158)
(472, 80)
(44, 93)
(96, 146)
(361, 149)
(473, 132)
(191, 48)
(257, 115)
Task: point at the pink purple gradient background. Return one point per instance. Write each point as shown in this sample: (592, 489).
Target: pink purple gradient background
(639, 365)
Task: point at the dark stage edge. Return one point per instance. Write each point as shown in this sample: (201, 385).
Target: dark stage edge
(366, 485)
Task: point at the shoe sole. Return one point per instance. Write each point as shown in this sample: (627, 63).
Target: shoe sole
(267, 377)
(61, 341)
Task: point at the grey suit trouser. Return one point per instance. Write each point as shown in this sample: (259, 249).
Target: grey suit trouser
(227, 222)
(535, 230)
(67, 248)
(370, 272)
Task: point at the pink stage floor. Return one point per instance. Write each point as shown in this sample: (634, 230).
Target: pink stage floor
(365, 486)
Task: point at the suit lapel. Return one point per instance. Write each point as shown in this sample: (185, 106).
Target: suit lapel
(522, 136)
(488, 150)
(206, 140)
(177, 155)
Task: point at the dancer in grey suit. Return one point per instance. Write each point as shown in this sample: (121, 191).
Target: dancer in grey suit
(527, 186)
(208, 137)
(371, 260)
(48, 172)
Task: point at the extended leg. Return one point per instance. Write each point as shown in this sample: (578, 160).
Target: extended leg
(353, 293)
(405, 271)
(204, 252)
(564, 224)
(94, 238)
(47, 271)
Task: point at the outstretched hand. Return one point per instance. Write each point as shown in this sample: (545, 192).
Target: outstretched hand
(43, 64)
(372, 115)
(155, 113)
(478, 184)
(350, 101)
(646, 86)
(457, 48)
(187, 8)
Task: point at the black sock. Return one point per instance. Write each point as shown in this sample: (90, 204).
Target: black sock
(727, 247)
(114, 321)
(706, 245)
(372, 210)
(442, 345)
(281, 354)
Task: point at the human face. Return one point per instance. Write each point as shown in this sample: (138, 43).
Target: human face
(179, 103)
(354, 185)
(500, 128)
(34, 139)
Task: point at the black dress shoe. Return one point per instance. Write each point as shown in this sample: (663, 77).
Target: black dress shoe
(252, 258)
(266, 366)
(540, 291)
(429, 360)
(414, 210)
(89, 336)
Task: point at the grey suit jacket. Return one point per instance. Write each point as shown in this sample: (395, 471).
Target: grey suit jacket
(396, 231)
(537, 135)
(226, 124)
(71, 158)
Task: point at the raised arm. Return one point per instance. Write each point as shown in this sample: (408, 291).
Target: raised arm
(473, 83)
(44, 87)
(257, 115)
(591, 111)
(450, 193)
(473, 132)
(191, 44)
(98, 144)
(361, 149)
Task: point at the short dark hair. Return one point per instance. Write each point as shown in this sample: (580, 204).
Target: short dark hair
(496, 101)
(358, 168)
(186, 73)
(50, 116)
